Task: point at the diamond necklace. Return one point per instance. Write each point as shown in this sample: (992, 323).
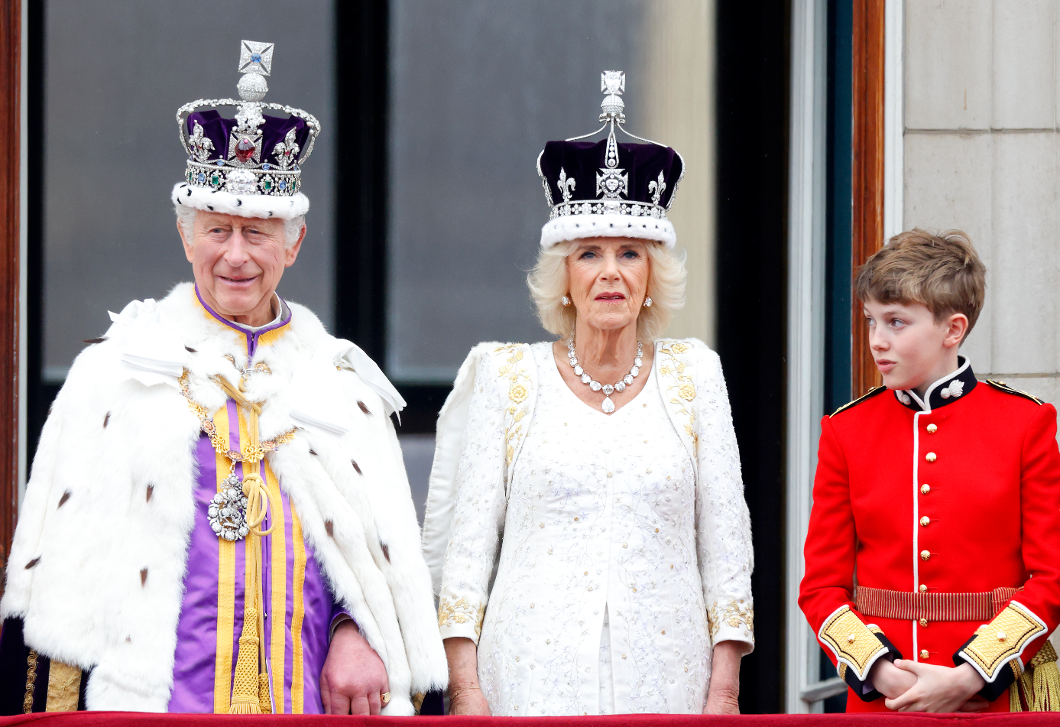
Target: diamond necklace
(608, 406)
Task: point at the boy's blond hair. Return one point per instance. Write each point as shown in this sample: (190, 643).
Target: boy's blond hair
(940, 271)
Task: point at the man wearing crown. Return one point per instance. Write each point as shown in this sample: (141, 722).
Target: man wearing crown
(218, 518)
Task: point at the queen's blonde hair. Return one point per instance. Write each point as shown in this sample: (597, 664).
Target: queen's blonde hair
(549, 282)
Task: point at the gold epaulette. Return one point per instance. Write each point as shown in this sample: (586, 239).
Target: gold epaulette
(1002, 386)
(868, 395)
(1003, 639)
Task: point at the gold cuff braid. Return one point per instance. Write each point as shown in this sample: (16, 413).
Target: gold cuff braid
(853, 643)
(1003, 639)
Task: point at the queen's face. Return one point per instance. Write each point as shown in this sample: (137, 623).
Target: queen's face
(238, 262)
(608, 279)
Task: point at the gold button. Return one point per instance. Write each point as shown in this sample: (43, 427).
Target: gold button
(925, 521)
(930, 456)
(575, 519)
(925, 555)
(1001, 636)
(923, 588)
(851, 638)
(932, 428)
(924, 654)
(925, 489)
(924, 622)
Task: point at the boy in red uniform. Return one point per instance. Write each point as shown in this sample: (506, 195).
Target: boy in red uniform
(933, 553)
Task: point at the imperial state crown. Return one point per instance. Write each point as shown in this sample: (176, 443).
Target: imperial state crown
(249, 165)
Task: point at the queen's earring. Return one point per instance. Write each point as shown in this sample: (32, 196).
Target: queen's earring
(647, 302)
(566, 301)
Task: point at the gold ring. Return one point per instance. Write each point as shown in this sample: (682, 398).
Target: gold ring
(384, 697)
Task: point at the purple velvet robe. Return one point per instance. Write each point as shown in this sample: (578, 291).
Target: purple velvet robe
(194, 668)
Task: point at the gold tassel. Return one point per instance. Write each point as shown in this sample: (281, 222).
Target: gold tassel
(264, 702)
(1045, 696)
(1014, 704)
(245, 699)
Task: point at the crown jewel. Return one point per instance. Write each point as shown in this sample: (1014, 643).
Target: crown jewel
(635, 183)
(252, 154)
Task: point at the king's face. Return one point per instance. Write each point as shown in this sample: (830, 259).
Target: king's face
(238, 262)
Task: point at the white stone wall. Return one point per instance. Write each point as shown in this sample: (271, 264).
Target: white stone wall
(982, 147)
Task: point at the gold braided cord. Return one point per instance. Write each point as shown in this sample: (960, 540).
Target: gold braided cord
(31, 682)
(250, 690)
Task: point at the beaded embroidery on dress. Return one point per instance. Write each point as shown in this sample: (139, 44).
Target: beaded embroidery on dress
(600, 520)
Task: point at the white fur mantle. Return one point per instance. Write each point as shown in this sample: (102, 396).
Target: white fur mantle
(111, 497)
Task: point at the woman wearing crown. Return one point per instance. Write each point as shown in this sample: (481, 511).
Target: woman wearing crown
(586, 526)
(218, 519)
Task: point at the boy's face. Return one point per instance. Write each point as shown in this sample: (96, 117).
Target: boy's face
(910, 348)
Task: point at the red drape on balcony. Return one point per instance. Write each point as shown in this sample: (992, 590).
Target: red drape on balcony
(128, 719)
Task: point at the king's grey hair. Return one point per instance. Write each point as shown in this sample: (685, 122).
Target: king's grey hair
(186, 218)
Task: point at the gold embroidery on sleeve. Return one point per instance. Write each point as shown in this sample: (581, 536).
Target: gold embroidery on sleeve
(461, 612)
(852, 641)
(733, 615)
(1002, 639)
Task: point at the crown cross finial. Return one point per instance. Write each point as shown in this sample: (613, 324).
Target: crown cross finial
(255, 57)
(613, 84)
(255, 62)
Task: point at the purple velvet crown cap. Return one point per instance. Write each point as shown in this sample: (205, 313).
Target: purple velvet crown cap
(583, 160)
(218, 130)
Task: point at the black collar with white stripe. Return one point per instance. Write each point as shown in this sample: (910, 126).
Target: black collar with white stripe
(946, 390)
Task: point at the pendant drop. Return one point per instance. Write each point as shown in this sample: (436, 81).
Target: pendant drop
(608, 406)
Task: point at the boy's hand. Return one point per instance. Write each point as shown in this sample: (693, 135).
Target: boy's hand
(889, 680)
(938, 688)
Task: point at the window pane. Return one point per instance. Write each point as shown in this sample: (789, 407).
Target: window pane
(115, 74)
(477, 88)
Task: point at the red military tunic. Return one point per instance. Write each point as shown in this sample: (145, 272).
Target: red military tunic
(929, 502)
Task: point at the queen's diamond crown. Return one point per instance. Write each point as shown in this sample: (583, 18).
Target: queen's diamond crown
(252, 153)
(654, 169)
